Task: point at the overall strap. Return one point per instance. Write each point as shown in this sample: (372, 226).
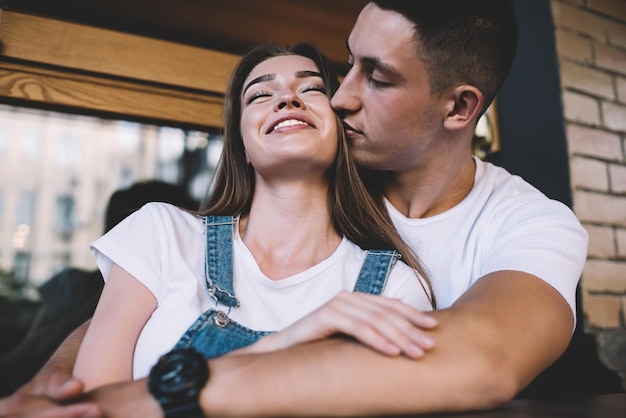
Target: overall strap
(375, 271)
(218, 262)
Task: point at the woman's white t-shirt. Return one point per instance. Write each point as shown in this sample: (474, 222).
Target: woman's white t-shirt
(163, 247)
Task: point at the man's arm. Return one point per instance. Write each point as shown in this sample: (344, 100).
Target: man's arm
(490, 344)
(52, 385)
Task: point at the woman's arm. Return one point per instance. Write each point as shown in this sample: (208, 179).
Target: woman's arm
(106, 354)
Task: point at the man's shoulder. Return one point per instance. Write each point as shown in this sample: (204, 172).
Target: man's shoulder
(511, 190)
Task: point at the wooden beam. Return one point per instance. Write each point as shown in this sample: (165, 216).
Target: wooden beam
(49, 63)
(48, 88)
(85, 48)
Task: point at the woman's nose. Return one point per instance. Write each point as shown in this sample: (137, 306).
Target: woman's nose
(289, 100)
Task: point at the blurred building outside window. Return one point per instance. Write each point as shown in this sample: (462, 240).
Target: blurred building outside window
(57, 172)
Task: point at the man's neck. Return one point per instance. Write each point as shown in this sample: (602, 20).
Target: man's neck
(431, 190)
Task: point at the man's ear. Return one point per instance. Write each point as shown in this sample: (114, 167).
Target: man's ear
(464, 107)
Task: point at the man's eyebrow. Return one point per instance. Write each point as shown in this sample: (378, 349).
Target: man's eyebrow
(270, 77)
(375, 62)
(266, 77)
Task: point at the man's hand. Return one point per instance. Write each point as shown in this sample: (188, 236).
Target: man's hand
(383, 324)
(49, 393)
(46, 396)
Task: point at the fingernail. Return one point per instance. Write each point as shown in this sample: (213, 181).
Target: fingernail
(426, 342)
(430, 321)
(392, 349)
(415, 351)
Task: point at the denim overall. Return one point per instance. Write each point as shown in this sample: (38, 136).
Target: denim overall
(214, 333)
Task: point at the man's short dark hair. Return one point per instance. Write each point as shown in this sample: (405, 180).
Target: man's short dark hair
(462, 41)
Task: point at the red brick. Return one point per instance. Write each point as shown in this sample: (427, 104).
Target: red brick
(587, 173)
(610, 58)
(601, 241)
(621, 89)
(614, 116)
(615, 8)
(581, 108)
(617, 176)
(573, 46)
(600, 208)
(579, 20)
(604, 276)
(594, 142)
(590, 80)
(620, 234)
(602, 311)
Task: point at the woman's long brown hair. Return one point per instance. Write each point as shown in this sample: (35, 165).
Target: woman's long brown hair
(355, 214)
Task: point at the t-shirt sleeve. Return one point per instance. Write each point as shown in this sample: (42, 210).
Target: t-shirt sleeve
(136, 245)
(544, 239)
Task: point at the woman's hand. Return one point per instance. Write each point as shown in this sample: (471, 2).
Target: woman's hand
(384, 324)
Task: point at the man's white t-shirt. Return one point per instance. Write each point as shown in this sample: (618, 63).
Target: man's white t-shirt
(163, 247)
(504, 223)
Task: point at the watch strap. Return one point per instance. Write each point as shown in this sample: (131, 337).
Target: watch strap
(184, 411)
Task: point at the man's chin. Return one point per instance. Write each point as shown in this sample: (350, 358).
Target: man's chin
(365, 161)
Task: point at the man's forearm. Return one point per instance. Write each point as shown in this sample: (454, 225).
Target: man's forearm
(490, 345)
(341, 377)
(61, 362)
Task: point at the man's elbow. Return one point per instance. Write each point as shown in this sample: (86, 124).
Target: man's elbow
(499, 386)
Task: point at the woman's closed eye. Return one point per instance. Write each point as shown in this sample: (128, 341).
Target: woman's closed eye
(314, 87)
(257, 95)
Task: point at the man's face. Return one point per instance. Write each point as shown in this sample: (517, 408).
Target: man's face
(385, 100)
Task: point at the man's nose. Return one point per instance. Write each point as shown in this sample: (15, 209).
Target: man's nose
(345, 100)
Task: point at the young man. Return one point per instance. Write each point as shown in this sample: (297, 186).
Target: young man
(504, 260)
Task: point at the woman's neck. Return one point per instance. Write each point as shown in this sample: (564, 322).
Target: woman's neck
(289, 229)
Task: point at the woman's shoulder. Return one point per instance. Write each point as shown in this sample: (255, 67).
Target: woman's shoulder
(166, 217)
(167, 210)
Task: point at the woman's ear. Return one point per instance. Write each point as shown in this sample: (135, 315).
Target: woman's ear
(465, 104)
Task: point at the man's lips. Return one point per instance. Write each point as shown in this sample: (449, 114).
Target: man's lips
(288, 122)
(350, 130)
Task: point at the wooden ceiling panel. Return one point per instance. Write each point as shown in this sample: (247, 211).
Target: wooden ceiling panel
(229, 26)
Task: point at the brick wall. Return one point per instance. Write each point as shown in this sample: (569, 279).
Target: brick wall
(591, 49)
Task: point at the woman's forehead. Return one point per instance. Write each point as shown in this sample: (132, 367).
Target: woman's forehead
(283, 65)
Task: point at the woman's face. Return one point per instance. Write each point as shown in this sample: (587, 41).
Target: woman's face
(287, 124)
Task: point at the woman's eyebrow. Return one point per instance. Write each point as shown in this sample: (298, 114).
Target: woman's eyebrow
(266, 77)
(308, 73)
(270, 77)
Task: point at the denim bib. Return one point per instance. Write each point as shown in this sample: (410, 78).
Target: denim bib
(214, 333)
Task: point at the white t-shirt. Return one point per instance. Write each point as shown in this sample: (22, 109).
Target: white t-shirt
(504, 223)
(163, 247)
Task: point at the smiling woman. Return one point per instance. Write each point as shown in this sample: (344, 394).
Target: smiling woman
(287, 227)
(288, 119)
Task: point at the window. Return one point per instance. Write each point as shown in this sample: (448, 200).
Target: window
(21, 266)
(52, 204)
(64, 216)
(25, 208)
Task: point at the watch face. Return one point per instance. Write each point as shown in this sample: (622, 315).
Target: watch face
(179, 373)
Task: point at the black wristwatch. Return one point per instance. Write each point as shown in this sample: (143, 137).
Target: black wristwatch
(176, 381)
